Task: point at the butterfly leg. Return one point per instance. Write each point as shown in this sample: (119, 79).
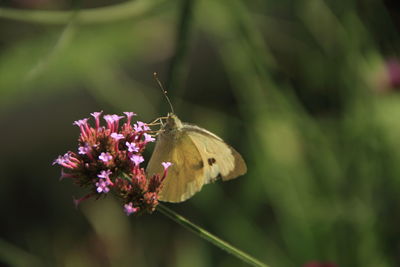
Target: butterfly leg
(158, 121)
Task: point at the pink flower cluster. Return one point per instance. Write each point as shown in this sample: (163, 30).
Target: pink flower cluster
(108, 160)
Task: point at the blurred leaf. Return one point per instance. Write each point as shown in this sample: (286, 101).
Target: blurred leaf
(14, 256)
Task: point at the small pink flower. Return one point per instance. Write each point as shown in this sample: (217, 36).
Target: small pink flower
(104, 182)
(109, 119)
(81, 122)
(116, 118)
(68, 160)
(105, 157)
(148, 138)
(117, 136)
(83, 125)
(96, 116)
(132, 147)
(129, 116)
(129, 209)
(59, 160)
(166, 165)
(140, 127)
(137, 159)
(84, 149)
(102, 187)
(112, 122)
(105, 174)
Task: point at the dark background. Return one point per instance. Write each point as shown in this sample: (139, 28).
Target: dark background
(305, 90)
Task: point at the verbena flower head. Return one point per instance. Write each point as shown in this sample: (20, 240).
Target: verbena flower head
(108, 160)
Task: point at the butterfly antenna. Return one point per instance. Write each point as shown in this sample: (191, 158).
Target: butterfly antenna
(164, 91)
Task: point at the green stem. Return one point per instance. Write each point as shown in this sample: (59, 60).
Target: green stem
(124, 10)
(210, 237)
(177, 68)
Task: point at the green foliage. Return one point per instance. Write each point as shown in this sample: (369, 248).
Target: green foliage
(296, 86)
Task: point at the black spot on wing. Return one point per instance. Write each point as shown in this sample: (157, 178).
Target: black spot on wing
(211, 161)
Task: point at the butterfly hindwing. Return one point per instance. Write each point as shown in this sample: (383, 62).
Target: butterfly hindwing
(219, 158)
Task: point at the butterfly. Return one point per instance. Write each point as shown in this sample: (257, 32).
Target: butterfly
(198, 157)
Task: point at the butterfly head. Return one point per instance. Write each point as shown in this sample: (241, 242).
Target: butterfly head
(172, 123)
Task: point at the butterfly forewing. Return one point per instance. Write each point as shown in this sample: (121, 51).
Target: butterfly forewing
(185, 176)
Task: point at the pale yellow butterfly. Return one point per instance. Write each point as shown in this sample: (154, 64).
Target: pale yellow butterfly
(198, 157)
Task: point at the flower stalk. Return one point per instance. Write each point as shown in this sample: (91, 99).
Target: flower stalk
(209, 237)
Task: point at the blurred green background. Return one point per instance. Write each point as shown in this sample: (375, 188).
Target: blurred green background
(304, 89)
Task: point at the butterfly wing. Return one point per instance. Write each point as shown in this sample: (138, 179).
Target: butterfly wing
(198, 157)
(219, 158)
(185, 175)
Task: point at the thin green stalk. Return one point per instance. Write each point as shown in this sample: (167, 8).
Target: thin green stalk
(126, 10)
(177, 68)
(210, 237)
(65, 38)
